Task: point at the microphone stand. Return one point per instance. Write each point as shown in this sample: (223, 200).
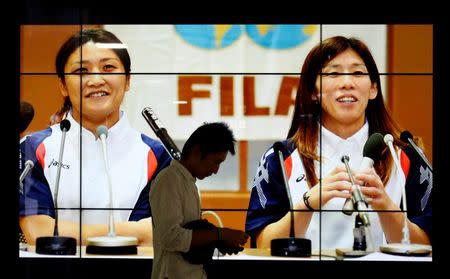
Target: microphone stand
(161, 133)
(359, 248)
(372, 150)
(28, 166)
(111, 243)
(406, 136)
(361, 220)
(57, 245)
(359, 201)
(404, 248)
(292, 246)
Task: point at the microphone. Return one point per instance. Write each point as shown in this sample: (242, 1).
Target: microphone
(28, 166)
(407, 137)
(65, 127)
(102, 133)
(25, 116)
(288, 247)
(404, 248)
(278, 148)
(110, 244)
(161, 132)
(57, 245)
(372, 150)
(358, 199)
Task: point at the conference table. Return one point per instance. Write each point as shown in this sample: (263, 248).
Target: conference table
(145, 252)
(250, 263)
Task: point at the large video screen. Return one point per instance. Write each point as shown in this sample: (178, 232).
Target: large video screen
(321, 90)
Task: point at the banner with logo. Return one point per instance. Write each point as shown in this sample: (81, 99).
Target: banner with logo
(245, 75)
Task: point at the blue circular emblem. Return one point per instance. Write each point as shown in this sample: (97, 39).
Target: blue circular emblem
(218, 36)
(209, 36)
(280, 36)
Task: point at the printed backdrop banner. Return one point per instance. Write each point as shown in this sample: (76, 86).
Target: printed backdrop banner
(245, 75)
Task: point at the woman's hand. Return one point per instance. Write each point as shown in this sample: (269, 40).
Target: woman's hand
(145, 231)
(373, 190)
(335, 185)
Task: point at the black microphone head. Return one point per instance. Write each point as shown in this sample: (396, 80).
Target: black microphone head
(278, 146)
(374, 146)
(345, 158)
(64, 125)
(102, 130)
(26, 115)
(405, 136)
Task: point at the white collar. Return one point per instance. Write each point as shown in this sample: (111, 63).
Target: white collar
(116, 132)
(331, 141)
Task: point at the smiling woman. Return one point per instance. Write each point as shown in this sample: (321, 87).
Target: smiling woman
(346, 89)
(102, 86)
(93, 81)
(104, 74)
(339, 104)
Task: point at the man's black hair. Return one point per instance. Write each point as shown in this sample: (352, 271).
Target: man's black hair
(211, 138)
